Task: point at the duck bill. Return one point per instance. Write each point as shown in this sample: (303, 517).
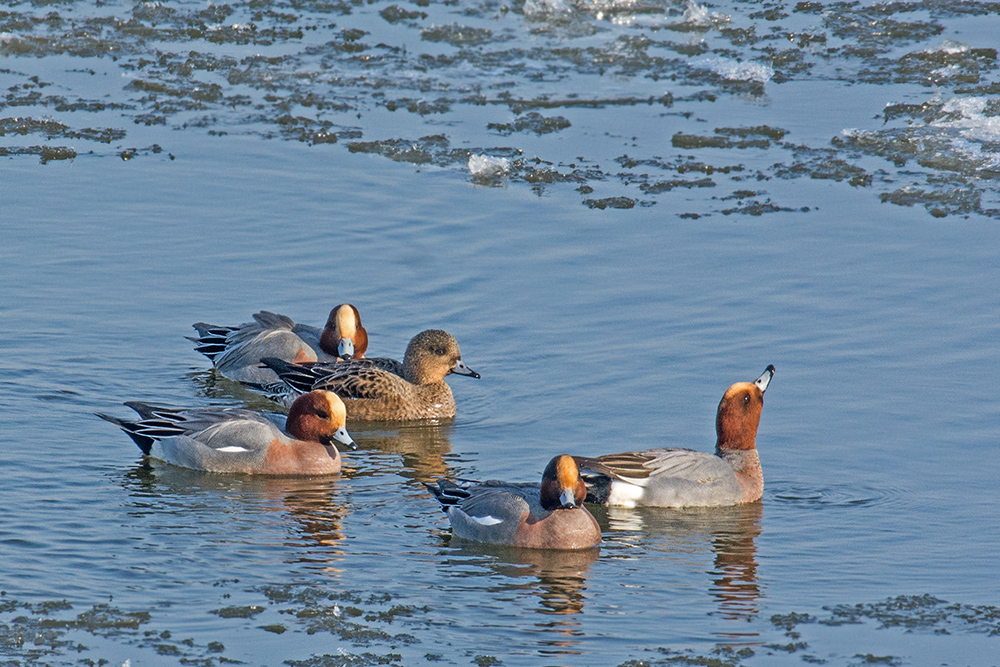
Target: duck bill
(461, 369)
(765, 379)
(345, 348)
(567, 498)
(344, 438)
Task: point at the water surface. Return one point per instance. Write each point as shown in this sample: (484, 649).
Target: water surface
(596, 328)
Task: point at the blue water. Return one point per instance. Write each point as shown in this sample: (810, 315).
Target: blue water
(594, 330)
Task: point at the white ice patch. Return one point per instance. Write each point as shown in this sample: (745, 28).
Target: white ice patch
(488, 167)
(542, 8)
(960, 136)
(232, 449)
(487, 520)
(949, 47)
(968, 114)
(733, 70)
(7, 37)
(696, 14)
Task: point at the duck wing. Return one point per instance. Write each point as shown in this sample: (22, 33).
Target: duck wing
(365, 381)
(640, 467)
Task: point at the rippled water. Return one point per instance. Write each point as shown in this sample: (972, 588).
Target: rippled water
(689, 194)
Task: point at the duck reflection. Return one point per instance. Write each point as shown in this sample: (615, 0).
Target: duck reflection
(423, 449)
(557, 578)
(730, 533)
(312, 504)
(211, 384)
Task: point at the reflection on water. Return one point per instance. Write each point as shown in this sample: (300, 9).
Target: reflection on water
(557, 578)
(210, 384)
(730, 533)
(423, 448)
(308, 511)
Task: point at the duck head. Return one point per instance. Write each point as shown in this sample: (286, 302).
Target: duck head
(433, 354)
(343, 336)
(562, 487)
(319, 416)
(738, 416)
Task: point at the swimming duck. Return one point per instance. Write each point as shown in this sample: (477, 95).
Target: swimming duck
(242, 441)
(236, 351)
(684, 477)
(385, 389)
(550, 516)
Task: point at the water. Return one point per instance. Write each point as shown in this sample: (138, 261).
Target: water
(595, 329)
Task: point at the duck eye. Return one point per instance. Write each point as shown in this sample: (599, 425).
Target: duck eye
(746, 398)
(322, 414)
(439, 351)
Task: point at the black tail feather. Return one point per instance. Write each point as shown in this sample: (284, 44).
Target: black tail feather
(211, 339)
(447, 492)
(131, 429)
(301, 378)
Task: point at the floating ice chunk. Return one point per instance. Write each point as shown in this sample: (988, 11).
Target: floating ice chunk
(696, 14)
(973, 151)
(961, 136)
(539, 8)
(487, 166)
(950, 47)
(969, 115)
(734, 70)
(6, 37)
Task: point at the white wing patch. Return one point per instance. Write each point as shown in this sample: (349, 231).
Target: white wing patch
(232, 449)
(624, 494)
(487, 520)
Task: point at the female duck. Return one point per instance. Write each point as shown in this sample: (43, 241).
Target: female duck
(683, 477)
(523, 515)
(241, 441)
(236, 351)
(384, 389)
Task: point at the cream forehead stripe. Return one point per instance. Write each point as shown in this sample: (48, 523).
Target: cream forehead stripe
(345, 321)
(566, 471)
(338, 412)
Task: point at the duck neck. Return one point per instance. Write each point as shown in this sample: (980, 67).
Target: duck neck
(746, 465)
(415, 374)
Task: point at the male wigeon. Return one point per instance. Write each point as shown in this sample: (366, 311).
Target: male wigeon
(684, 477)
(236, 351)
(242, 441)
(550, 516)
(385, 389)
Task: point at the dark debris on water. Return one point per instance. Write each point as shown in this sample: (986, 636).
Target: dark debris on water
(315, 76)
(50, 632)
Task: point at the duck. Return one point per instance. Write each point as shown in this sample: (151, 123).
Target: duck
(236, 351)
(684, 477)
(546, 516)
(383, 389)
(233, 440)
